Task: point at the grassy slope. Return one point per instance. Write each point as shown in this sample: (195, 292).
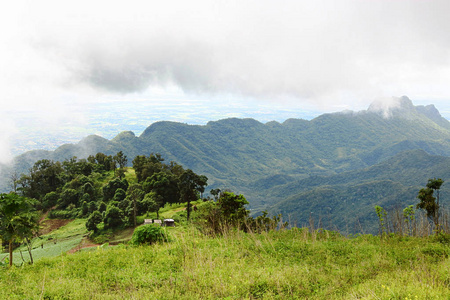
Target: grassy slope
(55, 243)
(73, 235)
(289, 264)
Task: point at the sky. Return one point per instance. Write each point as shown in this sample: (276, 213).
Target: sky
(69, 67)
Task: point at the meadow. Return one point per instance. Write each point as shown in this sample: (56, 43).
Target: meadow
(286, 264)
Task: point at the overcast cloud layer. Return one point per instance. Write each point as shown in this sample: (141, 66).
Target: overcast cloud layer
(327, 55)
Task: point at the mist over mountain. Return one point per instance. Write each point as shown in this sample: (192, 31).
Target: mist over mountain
(380, 156)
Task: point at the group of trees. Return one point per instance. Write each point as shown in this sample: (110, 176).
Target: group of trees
(405, 221)
(83, 188)
(228, 211)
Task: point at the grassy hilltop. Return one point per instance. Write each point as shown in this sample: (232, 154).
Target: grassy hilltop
(286, 264)
(231, 263)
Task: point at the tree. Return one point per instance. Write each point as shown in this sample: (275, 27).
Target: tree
(215, 193)
(14, 180)
(165, 185)
(135, 193)
(152, 202)
(233, 207)
(74, 167)
(18, 220)
(45, 177)
(94, 219)
(111, 187)
(50, 200)
(428, 202)
(119, 195)
(228, 212)
(67, 197)
(121, 159)
(190, 185)
(147, 166)
(113, 217)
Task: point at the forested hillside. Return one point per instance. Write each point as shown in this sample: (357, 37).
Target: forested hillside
(298, 166)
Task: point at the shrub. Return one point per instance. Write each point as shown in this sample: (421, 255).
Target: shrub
(149, 234)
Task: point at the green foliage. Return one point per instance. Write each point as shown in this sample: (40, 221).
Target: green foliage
(228, 212)
(50, 200)
(190, 185)
(87, 188)
(113, 217)
(149, 234)
(94, 219)
(152, 202)
(232, 207)
(67, 197)
(120, 159)
(264, 223)
(102, 207)
(110, 189)
(63, 214)
(18, 219)
(410, 216)
(119, 195)
(428, 202)
(45, 177)
(381, 214)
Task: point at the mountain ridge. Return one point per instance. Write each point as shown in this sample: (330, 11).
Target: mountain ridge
(238, 153)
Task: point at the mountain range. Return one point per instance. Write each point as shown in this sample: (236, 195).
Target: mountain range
(335, 167)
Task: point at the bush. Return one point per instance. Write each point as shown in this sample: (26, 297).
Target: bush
(149, 234)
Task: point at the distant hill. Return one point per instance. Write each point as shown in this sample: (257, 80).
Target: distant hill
(347, 200)
(279, 166)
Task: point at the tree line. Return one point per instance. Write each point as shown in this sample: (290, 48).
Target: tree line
(83, 188)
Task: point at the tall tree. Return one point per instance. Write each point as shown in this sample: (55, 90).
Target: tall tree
(121, 160)
(190, 186)
(135, 193)
(18, 220)
(163, 184)
(430, 203)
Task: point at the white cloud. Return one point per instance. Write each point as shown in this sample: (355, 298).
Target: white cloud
(320, 51)
(323, 53)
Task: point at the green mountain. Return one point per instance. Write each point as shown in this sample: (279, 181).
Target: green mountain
(347, 200)
(279, 166)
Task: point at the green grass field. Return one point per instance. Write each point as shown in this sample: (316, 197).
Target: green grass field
(287, 264)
